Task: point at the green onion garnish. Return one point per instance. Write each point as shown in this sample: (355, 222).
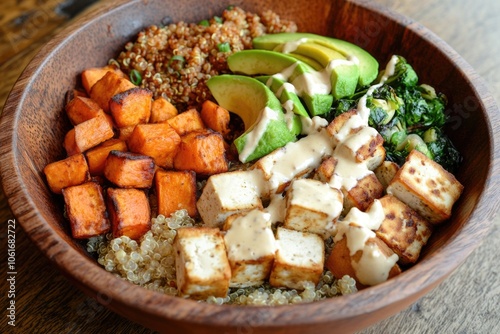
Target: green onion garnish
(224, 47)
(178, 58)
(204, 23)
(217, 19)
(135, 77)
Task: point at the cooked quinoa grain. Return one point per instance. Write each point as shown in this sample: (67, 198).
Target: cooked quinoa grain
(176, 60)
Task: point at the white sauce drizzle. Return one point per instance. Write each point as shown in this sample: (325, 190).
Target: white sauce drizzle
(253, 137)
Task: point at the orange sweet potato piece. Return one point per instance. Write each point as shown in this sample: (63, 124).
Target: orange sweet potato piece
(176, 190)
(91, 75)
(81, 109)
(129, 170)
(107, 87)
(187, 121)
(67, 172)
(215, 117)
(86, 210)
(162, 110)
(202, 151)
(88, 134)
(159, 141)
(129, 212)
(131, 107)
(96, 157)
(125, 133)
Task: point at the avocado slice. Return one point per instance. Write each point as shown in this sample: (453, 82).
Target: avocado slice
(265, 126)
(285, 92)
(286, 68)
(368, 65)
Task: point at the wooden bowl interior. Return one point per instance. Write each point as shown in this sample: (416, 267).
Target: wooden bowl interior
(35, 110)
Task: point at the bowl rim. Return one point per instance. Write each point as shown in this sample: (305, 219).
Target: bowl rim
(61, 254)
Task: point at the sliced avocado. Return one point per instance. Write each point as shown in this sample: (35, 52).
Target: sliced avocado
(307, 60)
(286, 93)
(368, 66)
(265, 126)
(286, 68)
(318, 104)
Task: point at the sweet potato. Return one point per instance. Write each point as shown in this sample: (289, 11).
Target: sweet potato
(129, 212)
(202, 151)
(176, 190)
(67, 172)
(159, 141)
(86, 210)
(129, 170)
(162, 110)
(81, 109)
(215, 117)
(91, 75)
(125, 133)
(131, 107)
(96, 157)
(107, 87)
(89, 134)
(186, 122)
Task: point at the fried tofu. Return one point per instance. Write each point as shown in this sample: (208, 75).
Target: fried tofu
(363, 193)
(312, 206)
(403, 230)
(176, 190)
(325, 170)
(129, 212)
(71, 171)
(86, 210)
(201, 262)
(426, 187)
(366, 146)
(299, 259)
(159, 141)
(250, 246)
(230, 193)
(129, 170)
(386, 172)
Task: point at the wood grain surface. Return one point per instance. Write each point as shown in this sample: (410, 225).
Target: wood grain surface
(467, 302)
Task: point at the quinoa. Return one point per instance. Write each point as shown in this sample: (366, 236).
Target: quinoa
(176, 60)
(150, 263)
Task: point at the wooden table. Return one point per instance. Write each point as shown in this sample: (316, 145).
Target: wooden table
(467, 302)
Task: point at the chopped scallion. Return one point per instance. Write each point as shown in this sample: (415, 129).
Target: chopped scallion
(135, 77)
(224, 47)
(204, 23)
(178, 58)
(217, 19)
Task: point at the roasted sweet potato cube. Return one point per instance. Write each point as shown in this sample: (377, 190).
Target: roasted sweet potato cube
(215, 117)
(68, 172)
(129, 170)
(81, 109)
(187, 121)
(89, 134)
(91, 75)
(202, 151)
(125, 133)
(176, 190)
(158, 141)
(162, 110)
(131, 107)
(129, 212)
(107, 87)
(86, 210)
(96, 157)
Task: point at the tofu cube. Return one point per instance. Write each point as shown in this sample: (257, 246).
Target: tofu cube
(299, 258)
(426, 187)
(129, 170)
(86, 210)
(230, 193)
(403, 230)
(325, 170)
(363, 193)
(129, 212)
(201, 262)
(386, 172)
(366, 145)
(176, 190)
(312, 206)
(250, 246)
(71, 171)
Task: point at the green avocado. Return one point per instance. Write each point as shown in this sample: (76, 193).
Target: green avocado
(368, 65)
(286, 94)
(266, 128)
(285, 68)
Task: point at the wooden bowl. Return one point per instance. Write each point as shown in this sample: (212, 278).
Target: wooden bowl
(33, 126)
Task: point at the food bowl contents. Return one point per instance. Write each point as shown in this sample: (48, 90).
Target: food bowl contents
(292, 170)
